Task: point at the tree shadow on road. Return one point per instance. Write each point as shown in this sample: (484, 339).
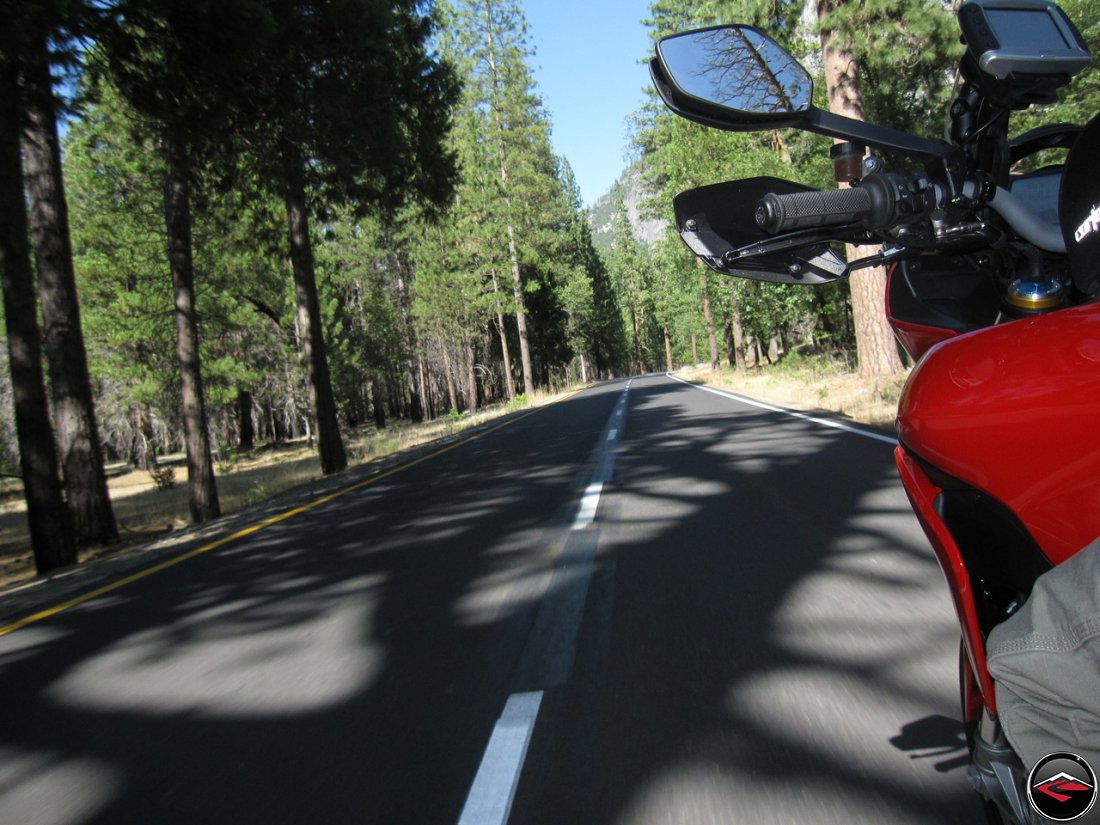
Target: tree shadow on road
(775, 609)
(345, 664)
(342, 665)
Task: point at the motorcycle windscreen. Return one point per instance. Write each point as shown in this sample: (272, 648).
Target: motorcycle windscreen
(719, 220)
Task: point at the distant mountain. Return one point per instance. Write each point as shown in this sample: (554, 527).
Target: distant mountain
(646, 230)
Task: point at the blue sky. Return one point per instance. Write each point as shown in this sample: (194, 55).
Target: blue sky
(587, 67)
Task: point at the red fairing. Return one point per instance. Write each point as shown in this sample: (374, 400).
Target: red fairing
(919, 338)
(1014, 410)
(922, 495)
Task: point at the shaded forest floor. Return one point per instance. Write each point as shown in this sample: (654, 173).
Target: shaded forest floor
(146, 512)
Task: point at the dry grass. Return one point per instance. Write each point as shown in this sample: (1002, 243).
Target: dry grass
(812, 384)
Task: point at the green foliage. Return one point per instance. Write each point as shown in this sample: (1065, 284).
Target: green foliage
(380, 177)
(243, 294)
(164, 478)
(778, 17)
(354, 88)
(633, 273)
(118, 234)
(256, 493)
(1079, 102)
(516, 208)
(355, 265)
(907, 53)
(179, 64)
(594, 325)
(228, 461)
(117, 230)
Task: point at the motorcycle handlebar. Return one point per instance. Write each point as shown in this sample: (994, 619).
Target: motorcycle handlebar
(879, 201)
(888, 199)
(1028, 225)
(799, 210)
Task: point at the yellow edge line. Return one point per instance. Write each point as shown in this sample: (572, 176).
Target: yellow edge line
(255, 528)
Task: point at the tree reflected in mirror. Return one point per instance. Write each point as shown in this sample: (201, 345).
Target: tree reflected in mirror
(738, 68)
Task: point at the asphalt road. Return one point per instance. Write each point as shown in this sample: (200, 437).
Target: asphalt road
(659, 605)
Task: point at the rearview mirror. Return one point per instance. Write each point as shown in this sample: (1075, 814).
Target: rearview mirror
(737, 69)
(738, 79)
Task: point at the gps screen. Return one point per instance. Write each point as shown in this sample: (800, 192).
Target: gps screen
(1025, 28)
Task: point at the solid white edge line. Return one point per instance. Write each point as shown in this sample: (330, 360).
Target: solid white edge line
(494, 789)
(752, 402)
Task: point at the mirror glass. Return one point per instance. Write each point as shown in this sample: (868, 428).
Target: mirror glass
(738, 68)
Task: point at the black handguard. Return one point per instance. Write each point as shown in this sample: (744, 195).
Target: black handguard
(879, 201)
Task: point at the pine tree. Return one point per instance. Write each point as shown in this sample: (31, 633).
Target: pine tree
(244, 298)
(594, 328)
(179, 64)
(73, 410)
(632, 274)
(525, 206)
(117, 224)
(347, 97)
(50, 526)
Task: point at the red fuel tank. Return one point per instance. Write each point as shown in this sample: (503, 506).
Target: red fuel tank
(1014, 410)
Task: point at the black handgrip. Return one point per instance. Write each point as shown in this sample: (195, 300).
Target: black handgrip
(830, 207)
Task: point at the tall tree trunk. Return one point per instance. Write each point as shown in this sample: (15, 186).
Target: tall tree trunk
(452, 392)
(247, 438)
(333, 457)
(47, 516)
(424, 386)
(177, 214)
(143, 454)
(278, 423)
(74, 412)
(737, 333)
(639, 367)
(415, 374)
(708, 318)
(668, 351)
(875, 346)
(471, 374)
(513, 253)
(521, 313)
(509, 382)
(395, 387)
(378, 404)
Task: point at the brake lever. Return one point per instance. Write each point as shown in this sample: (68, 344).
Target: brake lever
(798, 238)
(888, 256)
